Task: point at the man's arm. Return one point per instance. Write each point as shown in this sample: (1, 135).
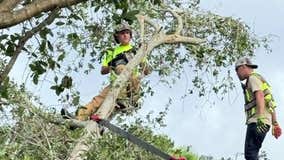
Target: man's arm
(274, 119)
(260, 102)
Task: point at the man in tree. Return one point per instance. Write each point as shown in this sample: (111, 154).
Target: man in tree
(114, 62)
(259, 108)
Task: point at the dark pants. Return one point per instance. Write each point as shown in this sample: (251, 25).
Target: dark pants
(253, 141)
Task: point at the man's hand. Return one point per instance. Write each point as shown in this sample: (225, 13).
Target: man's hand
(261, 127)
(276, 130)
(105, 70)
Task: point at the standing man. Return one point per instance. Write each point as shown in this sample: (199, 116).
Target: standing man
(113, 63)
(259, 108)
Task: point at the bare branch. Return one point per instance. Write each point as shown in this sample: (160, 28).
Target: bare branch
(149, 21)
(8, 19)
(174, 38)
(23, 41)
(67, 122)
(8, 5)
(141, 21)
(179, 20)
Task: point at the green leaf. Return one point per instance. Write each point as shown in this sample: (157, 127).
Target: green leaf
(14, 37)
(74, 39)
(4, 88)
(75, 16)
(157, 2)
(58, 89)
(91, 66)
(2, 47)
(35, 78)
(38, 67)
(42, 46)
(76, 100)
(10, 50)
(50, 47)
(72, 36)
(59, 23)
(43, 33)
(131, 14)
(34, 55)
(61, 57)
(51, 63)
(66, 82)
(53, 87)
(4, 36)
(32, 67)
(55, 79)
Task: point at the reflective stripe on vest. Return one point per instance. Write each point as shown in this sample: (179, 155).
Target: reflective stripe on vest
(251, 103)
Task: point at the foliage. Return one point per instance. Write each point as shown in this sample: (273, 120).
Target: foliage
(30, 135)
(72, 44)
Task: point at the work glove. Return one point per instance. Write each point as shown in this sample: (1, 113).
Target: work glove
(261, 127)
(276, 130)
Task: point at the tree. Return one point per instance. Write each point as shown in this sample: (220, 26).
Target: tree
(27, 134)
(206, 41)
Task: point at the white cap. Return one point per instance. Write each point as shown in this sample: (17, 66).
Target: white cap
(245, 61)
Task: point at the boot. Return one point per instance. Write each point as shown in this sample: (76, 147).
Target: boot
(65, 114)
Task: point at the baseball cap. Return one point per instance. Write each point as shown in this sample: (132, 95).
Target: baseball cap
(123, 26)
(245, 61)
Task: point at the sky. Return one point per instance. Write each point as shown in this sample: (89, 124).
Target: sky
(217, 130)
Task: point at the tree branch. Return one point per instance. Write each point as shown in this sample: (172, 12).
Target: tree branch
(67, 122)
(179, 20)
(146, 19)
(8, 5)
(141, 21)
(107, 107)
(175, 38)
(8, 19)
(23, 41)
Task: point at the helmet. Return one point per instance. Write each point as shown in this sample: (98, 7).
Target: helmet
(245, 61)
(121, 27)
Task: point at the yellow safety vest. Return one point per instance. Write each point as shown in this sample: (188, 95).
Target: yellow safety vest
(250, 101)
(111, 54)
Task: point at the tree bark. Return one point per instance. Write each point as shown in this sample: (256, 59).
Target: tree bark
(10, 18)
(8, 5)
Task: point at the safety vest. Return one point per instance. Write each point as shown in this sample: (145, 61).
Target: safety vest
(250, 101)
(112, 54)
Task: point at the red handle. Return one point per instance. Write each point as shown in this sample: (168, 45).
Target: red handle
(180, 158)
(95, 117)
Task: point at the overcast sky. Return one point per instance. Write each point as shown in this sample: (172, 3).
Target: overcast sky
(217, 130)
